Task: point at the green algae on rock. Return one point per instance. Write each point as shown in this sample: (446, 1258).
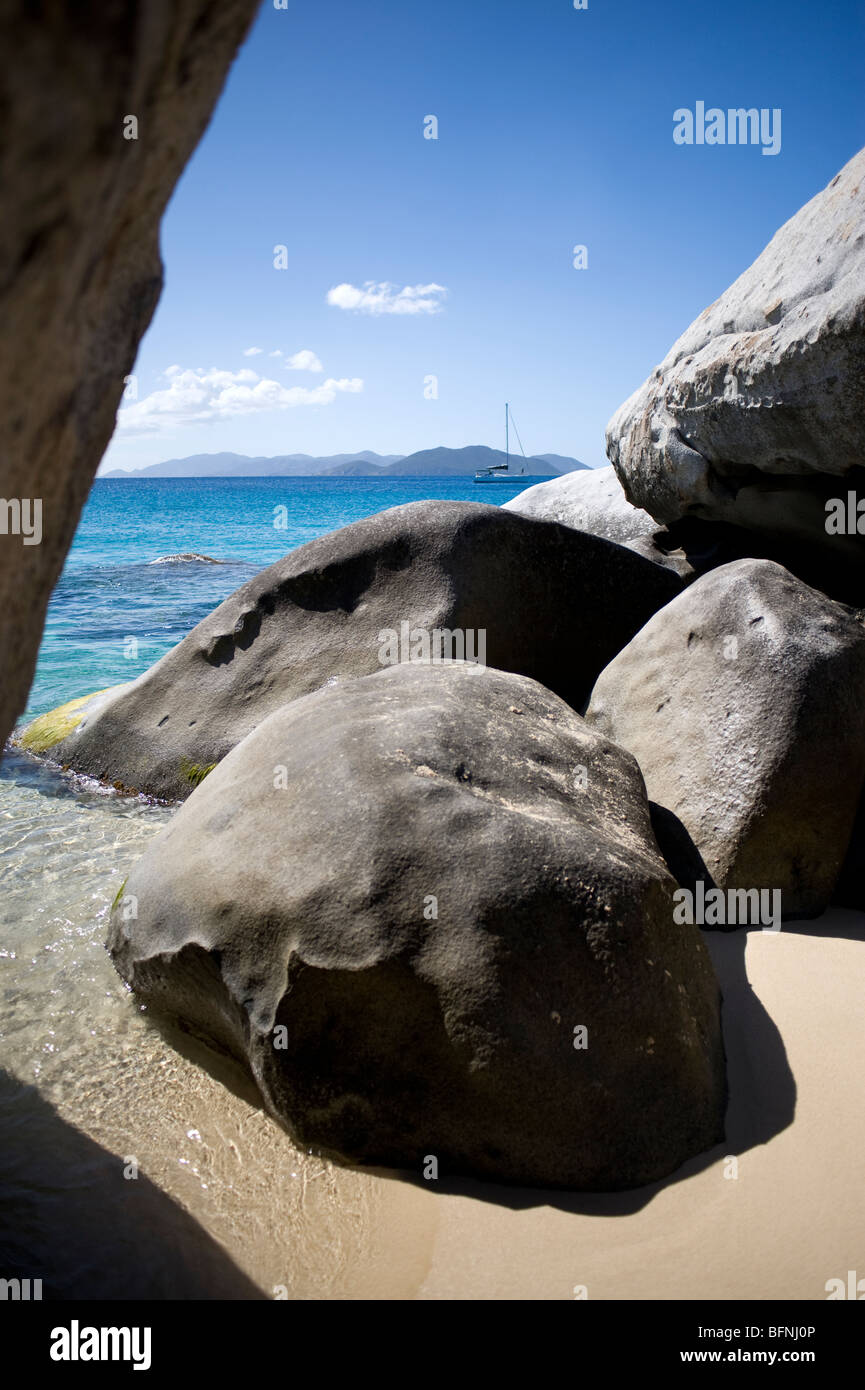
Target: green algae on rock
(194, 773)
(49, 729)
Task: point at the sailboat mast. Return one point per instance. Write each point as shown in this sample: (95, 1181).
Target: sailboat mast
(508, 435)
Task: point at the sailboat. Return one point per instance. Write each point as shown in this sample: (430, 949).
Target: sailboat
(502, 472)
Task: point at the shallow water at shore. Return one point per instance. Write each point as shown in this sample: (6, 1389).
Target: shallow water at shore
(82, 1059)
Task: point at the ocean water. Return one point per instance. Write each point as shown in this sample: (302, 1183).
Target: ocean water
(224, 1205)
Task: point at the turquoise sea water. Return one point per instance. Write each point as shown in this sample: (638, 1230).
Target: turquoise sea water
(110, 592)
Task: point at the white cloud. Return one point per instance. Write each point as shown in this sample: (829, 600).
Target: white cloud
(194, 397)
(252, 352)
(277, 352)
(385, 298)
(304, 361)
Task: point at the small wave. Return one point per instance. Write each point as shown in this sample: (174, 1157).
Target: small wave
(189, 558)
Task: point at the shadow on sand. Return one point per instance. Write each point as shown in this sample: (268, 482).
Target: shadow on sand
(70, 1218)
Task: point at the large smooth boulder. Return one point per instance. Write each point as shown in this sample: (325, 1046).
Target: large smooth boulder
(80, 270)
(400, 898)
(553, 604)
(593, 500)
(756, 417)
(744, 704)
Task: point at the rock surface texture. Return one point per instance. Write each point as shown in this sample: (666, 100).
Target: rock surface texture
(757, 415)
(552, 603)
(591, 501)
(80, 270)
(744, 703)
(400, 899)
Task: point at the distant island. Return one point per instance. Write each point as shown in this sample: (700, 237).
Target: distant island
(427, 463)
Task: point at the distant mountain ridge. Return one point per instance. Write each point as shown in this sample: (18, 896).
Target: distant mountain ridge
(242, 466)
(429, 463)
(440, 462)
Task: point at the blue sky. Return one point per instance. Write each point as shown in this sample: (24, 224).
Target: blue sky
(555, 130)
